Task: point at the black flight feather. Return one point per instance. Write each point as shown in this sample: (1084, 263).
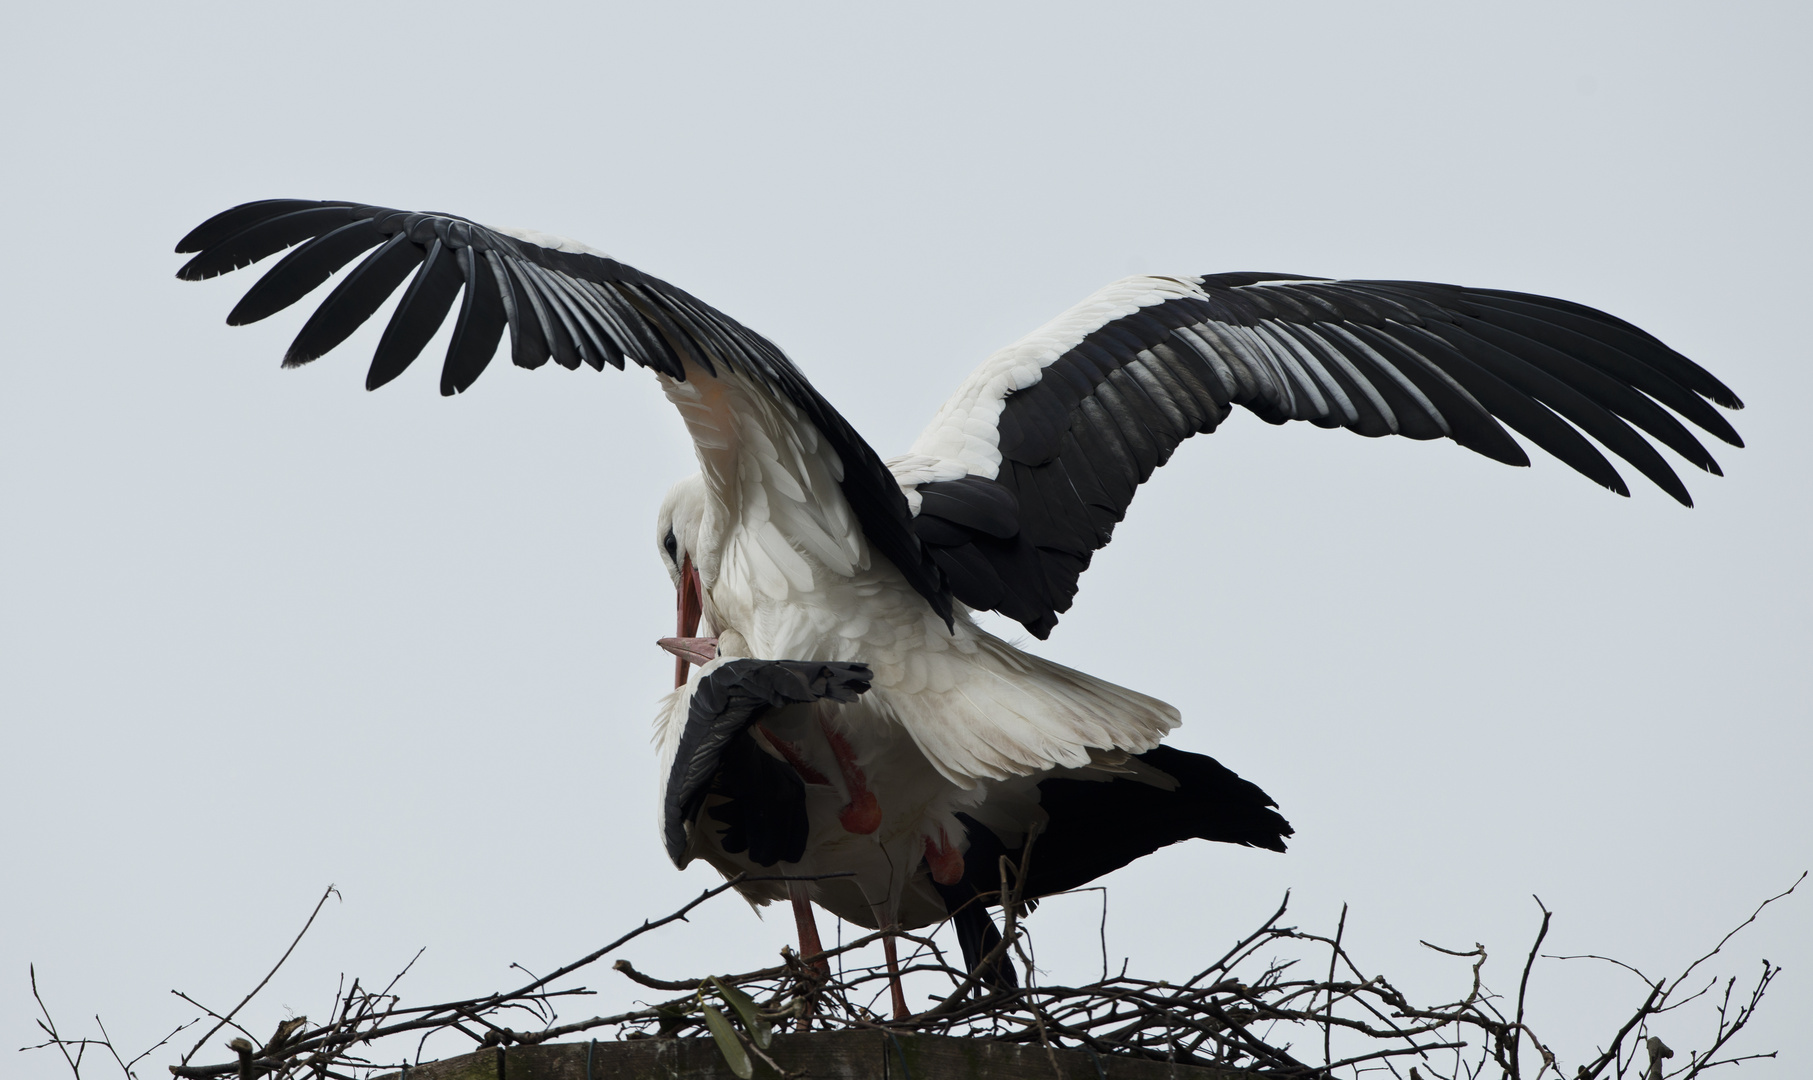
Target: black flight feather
(264, 237)
(358, 295)
(304, 270)
(481, 325)
(571, 306)
(423, 308)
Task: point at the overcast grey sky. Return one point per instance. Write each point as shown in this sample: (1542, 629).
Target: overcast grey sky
(261, 631)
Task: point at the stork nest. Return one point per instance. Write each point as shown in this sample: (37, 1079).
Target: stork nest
(1248, 1009)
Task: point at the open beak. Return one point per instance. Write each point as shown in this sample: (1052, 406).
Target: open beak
(687, 648)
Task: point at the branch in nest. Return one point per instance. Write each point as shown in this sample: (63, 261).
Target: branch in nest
(1244, 1010)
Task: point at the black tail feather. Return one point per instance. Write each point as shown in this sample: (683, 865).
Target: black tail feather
(1098, 826)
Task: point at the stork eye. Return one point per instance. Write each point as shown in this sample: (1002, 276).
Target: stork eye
(672, 546)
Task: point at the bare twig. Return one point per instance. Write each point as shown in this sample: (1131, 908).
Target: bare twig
(1334, 956)
(50, 1028)
(228, 1018)
(1523, 986)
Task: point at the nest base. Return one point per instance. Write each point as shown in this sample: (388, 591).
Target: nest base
(825, 1055)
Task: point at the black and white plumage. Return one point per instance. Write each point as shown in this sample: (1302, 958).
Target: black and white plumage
(739, 793)
(798, 542)
(1081, 412)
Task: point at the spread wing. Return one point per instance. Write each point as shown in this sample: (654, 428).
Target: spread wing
(764, 809)
(755, 420)
(1028, 467)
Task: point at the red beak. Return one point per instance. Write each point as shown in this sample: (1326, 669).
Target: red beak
(687, 648)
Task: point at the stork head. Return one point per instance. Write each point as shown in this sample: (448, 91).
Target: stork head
(678, 528)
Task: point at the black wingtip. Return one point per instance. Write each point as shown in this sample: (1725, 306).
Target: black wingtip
(193, 270)
(230, 221)
(200, 236)
(1483, 435)
(1666, 479)
(197, 238)
(1269, 835)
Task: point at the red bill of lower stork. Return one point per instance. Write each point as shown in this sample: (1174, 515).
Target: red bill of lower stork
(798, 542)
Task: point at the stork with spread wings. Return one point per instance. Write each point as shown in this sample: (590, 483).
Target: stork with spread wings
(847, 714)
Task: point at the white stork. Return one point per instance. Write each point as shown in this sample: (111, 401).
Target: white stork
(848, 714)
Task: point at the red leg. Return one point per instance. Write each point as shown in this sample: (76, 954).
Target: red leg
(895, 990)
(809, 944)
